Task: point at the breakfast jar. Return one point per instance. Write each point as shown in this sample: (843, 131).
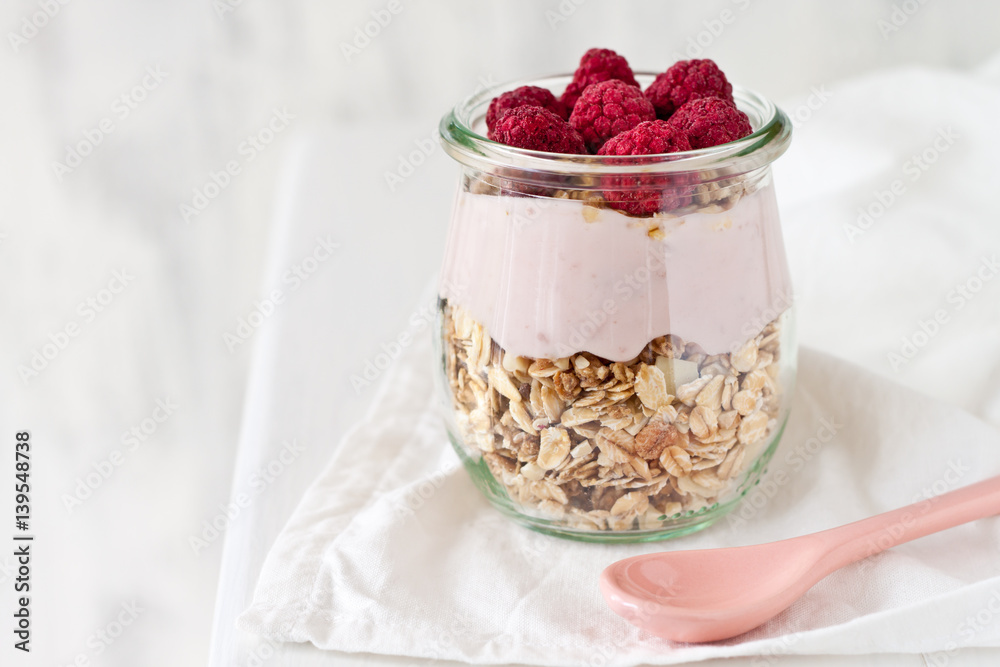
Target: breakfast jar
(615, 372)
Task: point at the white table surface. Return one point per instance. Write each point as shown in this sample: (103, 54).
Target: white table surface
(326, 318)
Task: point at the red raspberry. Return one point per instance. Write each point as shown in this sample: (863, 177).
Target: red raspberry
(710, 121)
(609, 108)
(536, 129)
(647, 138)
(521, 97)
(597, 65)
(687, 80)
(647, 193)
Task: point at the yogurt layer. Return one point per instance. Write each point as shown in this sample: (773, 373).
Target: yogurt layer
(552, 277)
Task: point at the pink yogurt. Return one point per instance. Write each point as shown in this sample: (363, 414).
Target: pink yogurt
(552, 277)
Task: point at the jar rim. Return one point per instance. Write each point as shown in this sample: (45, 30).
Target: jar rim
(464, 141)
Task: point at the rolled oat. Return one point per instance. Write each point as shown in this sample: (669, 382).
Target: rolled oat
(613, 446)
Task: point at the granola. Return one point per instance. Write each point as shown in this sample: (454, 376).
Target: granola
(716, 194)
(613, 446)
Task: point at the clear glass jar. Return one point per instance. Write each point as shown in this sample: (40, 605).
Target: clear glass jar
(610, 375)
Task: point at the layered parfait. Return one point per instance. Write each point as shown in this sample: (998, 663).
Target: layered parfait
(613, 352)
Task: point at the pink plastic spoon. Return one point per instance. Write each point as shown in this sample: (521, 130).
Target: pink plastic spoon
(712, 594)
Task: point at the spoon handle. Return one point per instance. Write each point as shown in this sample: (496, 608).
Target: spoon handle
(868, 537)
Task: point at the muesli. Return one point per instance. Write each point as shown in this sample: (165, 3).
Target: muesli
(613, 445)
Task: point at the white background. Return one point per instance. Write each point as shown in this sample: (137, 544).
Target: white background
(61, 238)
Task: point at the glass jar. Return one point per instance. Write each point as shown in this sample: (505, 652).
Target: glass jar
(616, 334)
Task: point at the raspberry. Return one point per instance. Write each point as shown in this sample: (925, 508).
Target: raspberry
(536, 129)
(597, 65)
(647, 193)
(521, 97)
(609, 108)
(710, 121)
(687, 80)
(647, 138)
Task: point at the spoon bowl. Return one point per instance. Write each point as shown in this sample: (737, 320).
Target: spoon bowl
(711, 594)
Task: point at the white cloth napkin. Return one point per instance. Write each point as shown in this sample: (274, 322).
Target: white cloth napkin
(394, 551)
